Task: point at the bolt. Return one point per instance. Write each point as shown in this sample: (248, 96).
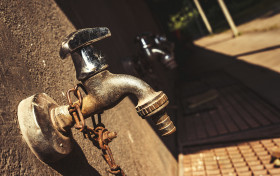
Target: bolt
(109, 136)
(112, 135)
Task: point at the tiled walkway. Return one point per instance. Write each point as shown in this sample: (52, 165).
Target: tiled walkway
(243, 159)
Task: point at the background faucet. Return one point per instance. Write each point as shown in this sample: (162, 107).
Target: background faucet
(158, 47)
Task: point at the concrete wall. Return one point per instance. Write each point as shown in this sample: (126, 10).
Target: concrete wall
(30, 35)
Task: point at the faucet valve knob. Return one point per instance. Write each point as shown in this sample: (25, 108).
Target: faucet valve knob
(82, 38)
(87, 60)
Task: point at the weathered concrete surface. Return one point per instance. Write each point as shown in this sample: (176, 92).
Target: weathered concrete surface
(30, 35)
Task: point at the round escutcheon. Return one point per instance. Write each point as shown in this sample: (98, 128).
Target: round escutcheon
(38, 130)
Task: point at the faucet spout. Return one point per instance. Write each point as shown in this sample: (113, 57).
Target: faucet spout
(107, 90)
(110, 88)
(165, 55)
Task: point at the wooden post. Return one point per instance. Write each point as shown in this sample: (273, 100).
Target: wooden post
(201, 12)
(228, 17)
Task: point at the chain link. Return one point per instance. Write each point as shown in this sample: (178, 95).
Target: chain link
(99, 134)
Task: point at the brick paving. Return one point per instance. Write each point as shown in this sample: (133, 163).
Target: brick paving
(242, 159)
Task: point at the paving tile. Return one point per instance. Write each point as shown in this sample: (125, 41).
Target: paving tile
(237, 160)
(249, 155)
(187, 170)
(258, 150)
(210, 162)
(247, 173)
(198, 168)
(198, 173)
(241, 164)
(213, 172)
(274, 171)
(262, 153)
(242, 169)
(269, 166)
(227, 171)
(251, 158)
(244, 151)
(211, 167)
(225, 166)
(254, 163)
(222, 157)
(265, 159)
(277, 141)
(256, 145)
(257, 167)
(237, 156)
(222, 162)
(259, 172)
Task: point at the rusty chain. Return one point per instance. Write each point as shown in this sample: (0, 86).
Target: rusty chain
(99, 134)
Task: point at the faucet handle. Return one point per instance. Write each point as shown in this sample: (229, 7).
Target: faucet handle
(82, 38)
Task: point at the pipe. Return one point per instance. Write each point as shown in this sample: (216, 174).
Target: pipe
(109, 89)
(105, 90)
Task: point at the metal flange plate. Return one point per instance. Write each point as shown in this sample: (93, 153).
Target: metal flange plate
(46, 142)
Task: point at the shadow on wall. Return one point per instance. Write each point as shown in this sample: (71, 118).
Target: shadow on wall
(74, 164)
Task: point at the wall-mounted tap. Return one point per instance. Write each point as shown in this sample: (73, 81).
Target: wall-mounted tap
(157, 47)
(45, 125)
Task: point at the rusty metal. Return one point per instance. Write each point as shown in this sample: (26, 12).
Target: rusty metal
(103, 137)
(75, 108)
(100, 134)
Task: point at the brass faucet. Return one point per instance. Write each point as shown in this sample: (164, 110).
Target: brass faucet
(105, 89)
(42, 120)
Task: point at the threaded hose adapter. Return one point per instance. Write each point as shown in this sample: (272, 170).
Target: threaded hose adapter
(163, 123)
(155, 109)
